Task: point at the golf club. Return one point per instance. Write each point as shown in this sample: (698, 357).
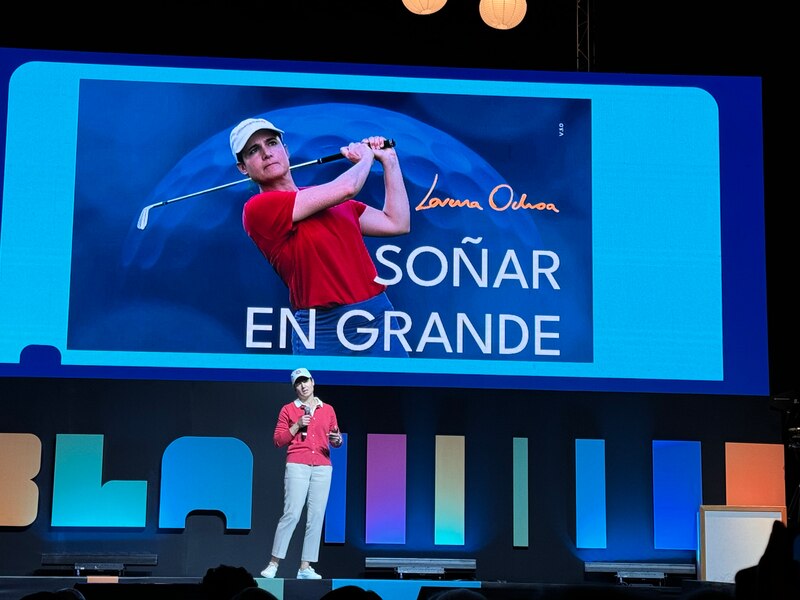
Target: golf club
(144, 215)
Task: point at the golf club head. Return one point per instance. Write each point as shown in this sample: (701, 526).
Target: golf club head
(142, 222)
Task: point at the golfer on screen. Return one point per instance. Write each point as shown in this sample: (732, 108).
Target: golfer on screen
(313, 237)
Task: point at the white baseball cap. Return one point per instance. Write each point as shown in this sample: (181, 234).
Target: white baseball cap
(242, 132)
(298, 373)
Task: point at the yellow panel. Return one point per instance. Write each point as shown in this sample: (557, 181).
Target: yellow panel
(449, 490)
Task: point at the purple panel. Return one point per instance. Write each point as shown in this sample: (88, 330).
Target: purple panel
(386, 489)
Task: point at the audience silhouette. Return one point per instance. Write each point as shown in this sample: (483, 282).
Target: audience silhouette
(225, 581)
(777, 574)
(459, 594)
(62, 594)
(350, 592)
(254, 593)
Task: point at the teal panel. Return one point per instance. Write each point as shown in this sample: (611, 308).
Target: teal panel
(81, 499)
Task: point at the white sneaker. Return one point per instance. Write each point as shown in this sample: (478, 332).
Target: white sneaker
(270, 570)
(308, 573)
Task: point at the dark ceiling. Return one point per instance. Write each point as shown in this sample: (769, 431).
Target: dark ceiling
(705, 37)
(698, 36)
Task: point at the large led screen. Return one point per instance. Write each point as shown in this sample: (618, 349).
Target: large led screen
(567, 231)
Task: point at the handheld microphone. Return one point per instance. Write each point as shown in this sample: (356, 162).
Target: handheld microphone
(306, 410)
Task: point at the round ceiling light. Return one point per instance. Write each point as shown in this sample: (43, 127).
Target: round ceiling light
(424, 7)
(502, 14)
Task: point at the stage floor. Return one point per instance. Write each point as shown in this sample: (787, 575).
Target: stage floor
(188, 588)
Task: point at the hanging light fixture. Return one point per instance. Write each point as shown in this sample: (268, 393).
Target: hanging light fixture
(502, 14)
(424, 7)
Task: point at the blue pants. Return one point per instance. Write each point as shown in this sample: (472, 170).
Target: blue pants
(326, 322)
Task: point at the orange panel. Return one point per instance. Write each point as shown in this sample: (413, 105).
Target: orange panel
(20, 461)
(754, 475)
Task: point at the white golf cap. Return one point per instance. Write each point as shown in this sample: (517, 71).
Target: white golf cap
(298, 373)
(242, 132)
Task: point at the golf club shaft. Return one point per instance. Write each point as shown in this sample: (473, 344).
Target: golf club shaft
(143, 217)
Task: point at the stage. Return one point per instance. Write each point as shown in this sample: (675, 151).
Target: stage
(189, 588)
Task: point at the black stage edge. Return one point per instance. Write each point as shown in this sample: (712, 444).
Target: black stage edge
(189, 588)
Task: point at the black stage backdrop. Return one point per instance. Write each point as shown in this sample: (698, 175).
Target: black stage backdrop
(140, 418)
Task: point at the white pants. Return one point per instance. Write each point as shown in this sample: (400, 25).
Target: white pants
(303, 485)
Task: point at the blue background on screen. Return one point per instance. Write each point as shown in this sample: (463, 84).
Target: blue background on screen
(658, 226)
